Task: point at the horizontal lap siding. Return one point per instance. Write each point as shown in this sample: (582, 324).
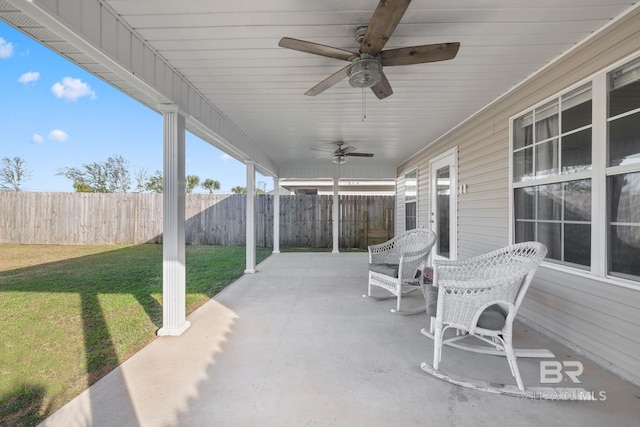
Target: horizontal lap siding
(603, 319)
(600, 317)
(423, 196)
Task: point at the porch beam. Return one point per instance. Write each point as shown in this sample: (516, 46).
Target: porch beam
(251, 218)
(173, 223)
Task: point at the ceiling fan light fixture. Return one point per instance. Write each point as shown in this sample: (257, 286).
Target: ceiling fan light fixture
(365, 71)
(339, 159)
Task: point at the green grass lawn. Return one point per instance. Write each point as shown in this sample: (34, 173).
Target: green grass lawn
(71, 314)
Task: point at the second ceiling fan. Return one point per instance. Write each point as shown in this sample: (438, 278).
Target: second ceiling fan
(365, 68)
(340, 154)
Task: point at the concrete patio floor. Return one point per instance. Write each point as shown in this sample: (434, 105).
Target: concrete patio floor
(296, 344)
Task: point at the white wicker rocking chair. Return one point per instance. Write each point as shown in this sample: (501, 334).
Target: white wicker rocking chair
(397, 264)
(480, 297)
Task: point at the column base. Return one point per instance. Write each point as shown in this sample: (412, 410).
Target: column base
(173, 332)
(249, 271)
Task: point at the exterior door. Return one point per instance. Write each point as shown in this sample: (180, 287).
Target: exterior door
(443, 212)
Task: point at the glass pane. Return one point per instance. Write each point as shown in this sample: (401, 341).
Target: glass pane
(576, 152)
(523, 131)
(624, 140)
(550, 202)
(442, 212)
(525, 203)
(577, 200)
(547, 121)
(577, 243)
(547, 158)
(624, 198)
(410, 216)
(549, 234)
(624, 228)
(523, 164)
(624, 241)
(625, 97)
(525, 231)
(576, 109)
(411, 186)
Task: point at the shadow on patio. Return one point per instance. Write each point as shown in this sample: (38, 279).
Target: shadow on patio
(296, 344)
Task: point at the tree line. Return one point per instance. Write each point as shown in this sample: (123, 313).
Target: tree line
(109, 176)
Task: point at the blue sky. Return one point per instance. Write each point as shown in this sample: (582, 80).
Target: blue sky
(54, 114)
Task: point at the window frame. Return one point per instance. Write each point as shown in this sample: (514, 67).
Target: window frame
(599, 174)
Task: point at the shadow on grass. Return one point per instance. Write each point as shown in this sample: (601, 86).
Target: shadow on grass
(116, 304)
(87, 277)
(24, 406)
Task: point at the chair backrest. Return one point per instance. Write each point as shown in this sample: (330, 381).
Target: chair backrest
(407, 243)
(414, 240)
(414, 247)
(502, 276)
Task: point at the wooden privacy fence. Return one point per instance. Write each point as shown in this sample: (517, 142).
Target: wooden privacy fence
(212, 219)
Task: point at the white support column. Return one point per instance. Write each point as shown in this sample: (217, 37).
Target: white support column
(336, 215)
(276, 215)
(251, 217)
(173, 223)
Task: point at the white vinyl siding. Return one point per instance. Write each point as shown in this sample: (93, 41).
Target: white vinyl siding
(599, 315)
(600, 318)
(423, 196)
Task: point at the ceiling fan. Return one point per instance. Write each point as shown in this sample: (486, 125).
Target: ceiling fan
(365, 68)
(340, 154)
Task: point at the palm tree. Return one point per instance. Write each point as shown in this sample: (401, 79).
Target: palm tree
(211, 185)
(239, 190)
(192, 182)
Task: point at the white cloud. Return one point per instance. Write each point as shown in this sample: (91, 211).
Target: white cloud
(226, 157)
(6, 48)
(72, 89)
(58, 135)
(37, 138)
(29, 77)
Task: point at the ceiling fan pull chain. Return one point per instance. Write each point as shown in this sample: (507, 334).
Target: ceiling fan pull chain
(364, 106)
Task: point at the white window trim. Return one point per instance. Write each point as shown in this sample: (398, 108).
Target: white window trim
(598, 175)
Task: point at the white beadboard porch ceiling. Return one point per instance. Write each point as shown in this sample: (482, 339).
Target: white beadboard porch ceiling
(228, 51)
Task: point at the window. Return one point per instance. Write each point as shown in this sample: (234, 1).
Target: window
(563, 179)
(551, 149)
(410, 200)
